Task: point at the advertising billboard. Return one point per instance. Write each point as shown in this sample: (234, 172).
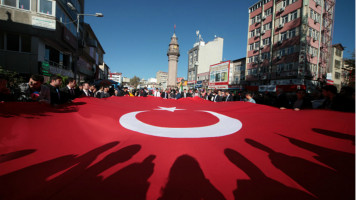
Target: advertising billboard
(219, 75)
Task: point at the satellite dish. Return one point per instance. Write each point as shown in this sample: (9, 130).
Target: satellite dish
(197, 32)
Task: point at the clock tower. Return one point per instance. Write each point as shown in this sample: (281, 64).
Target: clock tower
(173, 54)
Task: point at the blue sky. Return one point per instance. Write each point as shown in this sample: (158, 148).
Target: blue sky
(135, 33)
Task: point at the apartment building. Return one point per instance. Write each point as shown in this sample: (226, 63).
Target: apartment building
(201, 56)
(334, 69)
(41, 37)
(162, 77)
(289, 42)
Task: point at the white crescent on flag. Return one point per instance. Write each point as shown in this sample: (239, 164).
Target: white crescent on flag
(225, 126)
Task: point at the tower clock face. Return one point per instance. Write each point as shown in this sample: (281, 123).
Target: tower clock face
(175, 47)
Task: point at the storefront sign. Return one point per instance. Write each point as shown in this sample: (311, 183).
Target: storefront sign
(41, 22)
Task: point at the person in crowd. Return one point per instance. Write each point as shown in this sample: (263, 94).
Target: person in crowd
(116, 93)
(172, 94)
(218, 96)
(165, 94)
(69, 92)
(196, 93)
(92, 90)
(56, 96)
(281, 101)
(105, 93)
(208, 95)
(157, 93)
(190, 93)
(332, 100)
(184, 94)
(347, 94)
(145, 92)
(124, 92)
(302, 102)
(85, 90)
(98, 93)
(34, 90)
(228, 96)
(5, 92)
(178, 95)
(249, 98)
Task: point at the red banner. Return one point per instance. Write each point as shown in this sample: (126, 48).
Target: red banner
(153, 148)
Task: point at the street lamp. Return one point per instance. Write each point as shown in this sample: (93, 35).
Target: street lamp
(79, 14)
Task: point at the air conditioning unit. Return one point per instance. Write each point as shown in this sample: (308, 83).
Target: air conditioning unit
(314, 39)
(258, 20)
(312, 56)
(315, 21)
(280, 25)
(261, 47)
(257, 35)
(281, 9)
(263, 32)
(280, 42)
(279, 57)
(317, 4)
(263, 18)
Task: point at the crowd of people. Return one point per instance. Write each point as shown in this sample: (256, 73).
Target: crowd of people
(52, 93)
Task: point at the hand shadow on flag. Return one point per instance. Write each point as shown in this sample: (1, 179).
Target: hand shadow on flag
(15, 155)
(29, 182)
(32, 109)
(323, 182)
(86, 183)
(187, 181)
(260, 186)
(335, 134)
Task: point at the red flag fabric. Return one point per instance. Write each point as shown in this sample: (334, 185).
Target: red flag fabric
(153, 148)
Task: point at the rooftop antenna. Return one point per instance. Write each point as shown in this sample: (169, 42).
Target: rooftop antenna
(174, 28)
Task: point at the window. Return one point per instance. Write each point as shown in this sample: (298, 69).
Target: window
(288, 67)
(45, 6)
(266, 41)
(250, 59)
(290, 50)
(25, 43)
(337, 75)
(253, 20)
(252, 33)
(13, 42)
(291, 33)
(258, 18)
(284, 19)
(251, 47)
(337, 64)
(280, 67)
(258, 31)
(285, 3)
(282, 52)
(267, 26)
(10, 3)
(268, 12)
(266, 55)
(24, 4)
(257, 45)
(294, 15)
(338, 52)
(283, 36)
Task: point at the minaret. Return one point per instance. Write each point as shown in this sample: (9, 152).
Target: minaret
(173, 54)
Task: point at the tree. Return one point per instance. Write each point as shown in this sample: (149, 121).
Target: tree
(135, 81)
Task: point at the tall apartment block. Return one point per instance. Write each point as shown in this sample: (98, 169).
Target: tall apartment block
(201, 56)
(289, 42)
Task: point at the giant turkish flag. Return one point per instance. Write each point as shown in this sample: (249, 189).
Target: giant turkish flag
(153, 148)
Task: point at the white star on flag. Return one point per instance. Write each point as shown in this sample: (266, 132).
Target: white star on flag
(171, 109)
